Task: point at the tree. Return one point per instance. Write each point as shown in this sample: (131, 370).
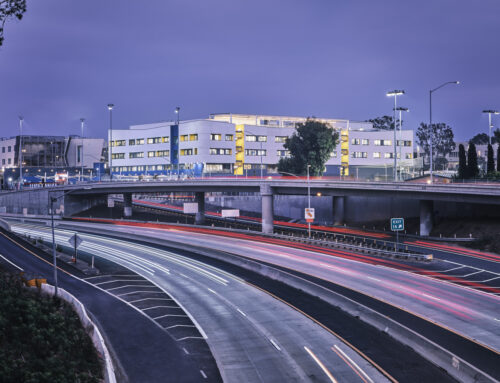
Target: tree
(383, 123)
(490, 167)
(472, 165)
(312, 143)
(480, 139)
(496, 139)
(498, 157)
(443, 143)
(462, 162)
(10, 9)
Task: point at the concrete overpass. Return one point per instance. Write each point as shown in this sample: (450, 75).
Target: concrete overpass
(78, 197)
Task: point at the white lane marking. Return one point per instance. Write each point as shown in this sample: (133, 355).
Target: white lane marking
(146, 299)
(137, 292)
(189, 337)
(119, 280)
(125, 286)
(203, 374)
(183, 275)
(156, 307)
(241, 312)
(354, 363)
(488, 280)
(498, 320)
(325, 370)
(275, 344)
(431, 297)
(468, 275)
(374, 279)
(186, 351)
(170, 315)
(180, 325)
(212, 291)
(455, 268)
(12, 263)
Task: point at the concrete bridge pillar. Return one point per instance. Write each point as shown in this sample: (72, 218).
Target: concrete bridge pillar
(426, 217)
(266, 193)
(127, 205)
(338, 210)
(200, 216)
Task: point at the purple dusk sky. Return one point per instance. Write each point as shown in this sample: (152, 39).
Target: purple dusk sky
(324, 58)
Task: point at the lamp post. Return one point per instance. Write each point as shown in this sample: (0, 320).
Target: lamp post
(430, 121)
(82, 121)
(308, 198)
(21, 121)
(395, 94)
(400, 110)
(490, 126)
(110, 142)
(178, 113)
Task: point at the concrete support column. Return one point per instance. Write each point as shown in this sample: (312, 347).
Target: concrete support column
(127, 205)
(338, 210)
(200, 216)
(266, 193)
(426, 217)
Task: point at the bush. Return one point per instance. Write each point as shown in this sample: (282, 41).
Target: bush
(42, 339)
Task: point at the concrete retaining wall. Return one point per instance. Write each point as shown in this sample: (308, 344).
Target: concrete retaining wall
(90, 328)
(455, 366)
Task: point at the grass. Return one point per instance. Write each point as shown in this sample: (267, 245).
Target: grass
(42, 338)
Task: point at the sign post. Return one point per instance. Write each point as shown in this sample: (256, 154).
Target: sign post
(309, 215)
(397, 225)
(75, 241)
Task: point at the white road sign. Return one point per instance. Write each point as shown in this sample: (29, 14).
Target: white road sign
(230, 213)
(190, 207)
(309, 213)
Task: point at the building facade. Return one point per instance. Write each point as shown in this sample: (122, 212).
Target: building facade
(244, 144)
(482, 156)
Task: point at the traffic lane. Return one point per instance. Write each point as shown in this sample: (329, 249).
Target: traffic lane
(467, 311)
(273, 340)
(144, 353)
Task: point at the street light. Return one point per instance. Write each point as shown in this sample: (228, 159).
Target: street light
(395, 94)
(401, 109)
(430, 120)
(308, 198)
(177, 112)
(21, 120)
(82, 120)
(110, 142)
(490, 112)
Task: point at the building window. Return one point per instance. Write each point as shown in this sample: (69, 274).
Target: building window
(184, 137)
(388, 155)
(193, 137)
(165, 139)
(120, 143)
(229, 137)
(3, 149)
(359, 154)
(189, 152)
(220, 151)
(162, 153)
(283, 153)
(3, 161)
(154, 140)
(255, 152)
(215, 137)
(262, 138)
(365, 141)
(9, 149)
(280, 139)
(251, 138)
(136, 155)
(355, 141)
(131, 142)
(382, 142)
(118, 156)
(376, 155)
(333, 155)
(404, 143)
(139, 141)
(151, 154)
(9, 161)
(409, 156)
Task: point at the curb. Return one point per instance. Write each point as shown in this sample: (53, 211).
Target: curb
(90, 328)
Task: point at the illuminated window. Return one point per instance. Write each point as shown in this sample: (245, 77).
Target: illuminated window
(154, 140)
(151, 154)
(409, 156)
(162, 153)
(229, 137)
(359, 154)
(251, 138)
(365, 141)
(215, 137)
(388, 155)
(136, 155)
(355, 141)
(184, 137)
(120, 143)
(283, 153)
(166, 139)
(220, 151)
(376, 155)
(139, 141)
(255, 152)
(262, 138)
(280, 139)
(193, 137)
(333, 155)
(118, 156)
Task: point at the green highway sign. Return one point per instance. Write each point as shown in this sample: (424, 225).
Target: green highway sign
(397, 224)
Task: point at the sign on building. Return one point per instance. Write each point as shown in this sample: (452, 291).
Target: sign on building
(111, 202)
(397, 224)
(309, 214)
(230, 213)
(190, 207)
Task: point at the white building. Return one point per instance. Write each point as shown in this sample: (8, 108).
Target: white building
(242, 144)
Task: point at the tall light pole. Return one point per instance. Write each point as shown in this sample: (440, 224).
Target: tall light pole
(177, 115)
(308, 198)
(430, 121)
(110, 142)
(490, 126)
(82, 121)
(21, 121)
(395, 94)
(400, 110)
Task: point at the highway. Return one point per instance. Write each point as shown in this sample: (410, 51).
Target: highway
(253, 337)
(474, 314)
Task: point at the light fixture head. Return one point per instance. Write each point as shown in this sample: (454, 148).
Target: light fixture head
(395, 93)
(457, 82)
(177, 109)
(402, 109)
(110, 106)
(489, 111)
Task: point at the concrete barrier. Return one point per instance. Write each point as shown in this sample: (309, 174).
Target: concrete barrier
(441, 357)
(90, 328)
(4, 225)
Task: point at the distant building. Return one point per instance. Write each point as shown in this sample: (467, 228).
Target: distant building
(482, 155)
(241, 144)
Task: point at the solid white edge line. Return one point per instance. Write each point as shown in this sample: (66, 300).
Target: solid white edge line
(12, 263)
(273, 342)
(353, 362)
(320, 364)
